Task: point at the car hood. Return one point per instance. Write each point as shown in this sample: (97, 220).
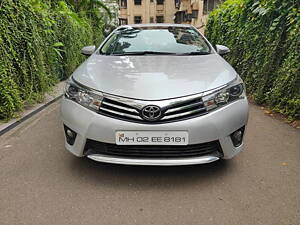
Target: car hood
(153, 77)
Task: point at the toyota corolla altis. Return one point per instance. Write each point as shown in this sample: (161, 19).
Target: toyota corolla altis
(156, 94)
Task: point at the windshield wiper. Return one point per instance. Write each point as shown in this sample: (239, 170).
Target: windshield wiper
(144, 53)
(196, 53)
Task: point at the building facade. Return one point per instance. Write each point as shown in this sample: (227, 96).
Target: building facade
(193, 12)
(146, 11)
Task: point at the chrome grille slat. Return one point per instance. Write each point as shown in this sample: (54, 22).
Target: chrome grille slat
(122, 114)
(172, 109)
(120, 107)
(183, 114)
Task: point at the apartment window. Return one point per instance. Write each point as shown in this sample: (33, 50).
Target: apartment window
(159, 19)
(177, 4)
(123, 21)
(123, 3)
(188, 17)
(160, 2)
(195, 14)
(151, 20)
(137, 19)
(209, 5)
(179, 17)
(137, 2)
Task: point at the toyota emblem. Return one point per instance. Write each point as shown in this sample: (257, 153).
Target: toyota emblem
(151, 113)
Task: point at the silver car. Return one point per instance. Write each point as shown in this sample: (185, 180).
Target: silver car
(155, 94)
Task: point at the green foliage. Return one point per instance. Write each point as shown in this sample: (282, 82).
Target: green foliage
(40, 44)
(88, 6)
(265, 48)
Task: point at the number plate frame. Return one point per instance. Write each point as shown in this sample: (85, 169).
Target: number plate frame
(152, 138)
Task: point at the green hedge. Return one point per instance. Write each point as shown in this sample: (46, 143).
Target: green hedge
(265, 48)
(40, 44)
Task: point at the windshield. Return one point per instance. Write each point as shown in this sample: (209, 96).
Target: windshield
(155, 40)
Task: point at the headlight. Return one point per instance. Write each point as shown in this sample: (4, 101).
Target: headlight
(230, 93)
(88, 98)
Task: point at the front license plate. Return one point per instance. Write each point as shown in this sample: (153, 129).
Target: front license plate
(151, 138)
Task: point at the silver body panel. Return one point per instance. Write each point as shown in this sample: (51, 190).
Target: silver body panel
(216, 125)
(152, 77)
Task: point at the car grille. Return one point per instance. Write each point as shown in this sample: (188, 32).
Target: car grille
(128, 109)
(154, 151)
(119, 110)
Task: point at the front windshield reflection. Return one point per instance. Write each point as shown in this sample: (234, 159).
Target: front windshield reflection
(173, 40)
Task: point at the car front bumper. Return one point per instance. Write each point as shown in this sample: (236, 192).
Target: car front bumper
(216, 125)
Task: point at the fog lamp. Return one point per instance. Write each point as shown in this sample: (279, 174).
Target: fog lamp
(237, 137)
(70, 135)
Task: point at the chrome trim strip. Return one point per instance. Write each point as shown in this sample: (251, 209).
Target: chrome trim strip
(163, 104)
(153, 162)
(182, 114)
(119, 107)
(184, 107)
(122, 114)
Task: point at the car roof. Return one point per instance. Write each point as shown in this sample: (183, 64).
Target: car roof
(155, 25)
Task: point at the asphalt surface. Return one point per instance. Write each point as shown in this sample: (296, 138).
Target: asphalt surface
(41, 183)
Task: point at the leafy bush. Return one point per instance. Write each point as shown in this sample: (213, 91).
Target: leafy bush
(265, 48)
(40, 44)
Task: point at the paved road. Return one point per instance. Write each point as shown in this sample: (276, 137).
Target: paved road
(41, 183)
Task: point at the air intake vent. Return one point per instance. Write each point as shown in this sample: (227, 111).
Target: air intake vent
(148, 151)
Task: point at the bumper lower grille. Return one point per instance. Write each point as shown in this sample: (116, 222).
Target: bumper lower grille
(171, 110)
(150, 151)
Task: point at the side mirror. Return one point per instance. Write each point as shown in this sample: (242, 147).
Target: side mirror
(222, 50)
(106, 32)
(88, 50)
